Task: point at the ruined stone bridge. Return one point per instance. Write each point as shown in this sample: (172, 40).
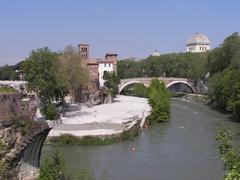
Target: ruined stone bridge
(21, 137)
(168, 81)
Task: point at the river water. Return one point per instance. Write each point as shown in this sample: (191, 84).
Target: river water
(182, 149)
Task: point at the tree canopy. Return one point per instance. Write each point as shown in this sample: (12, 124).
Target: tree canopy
(159, 100)
(224, 65)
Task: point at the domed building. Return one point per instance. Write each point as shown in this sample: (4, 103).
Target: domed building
(156, 53)
(198, 42)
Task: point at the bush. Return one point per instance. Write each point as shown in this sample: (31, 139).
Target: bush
(50, 112)
(91, 140)
(159, 100)
(52, 167)
(228, 154)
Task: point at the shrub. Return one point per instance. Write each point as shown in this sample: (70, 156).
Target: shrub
(159, 100)
(228, 154)
(52, 168)
(91, 140)
(50, 112)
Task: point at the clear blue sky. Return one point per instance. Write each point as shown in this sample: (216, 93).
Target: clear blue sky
(131, 28)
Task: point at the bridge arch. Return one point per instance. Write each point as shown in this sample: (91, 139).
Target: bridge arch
(129, 83)
(182, 82)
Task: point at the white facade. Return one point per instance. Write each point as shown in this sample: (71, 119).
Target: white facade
(198, 48)
(156, 53)
(104, 66)
(198, 42)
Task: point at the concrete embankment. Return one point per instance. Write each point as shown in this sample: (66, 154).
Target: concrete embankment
(196, 98)
(106, 120)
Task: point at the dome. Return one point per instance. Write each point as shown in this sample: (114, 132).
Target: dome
(156, 53)
(198, 39)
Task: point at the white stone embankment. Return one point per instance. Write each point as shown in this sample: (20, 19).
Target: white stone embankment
(104, 119)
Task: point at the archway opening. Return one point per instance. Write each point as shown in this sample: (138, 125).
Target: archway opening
(180, 88)
(134, 89)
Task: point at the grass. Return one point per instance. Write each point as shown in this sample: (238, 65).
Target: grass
(93, 140)
(7, 89)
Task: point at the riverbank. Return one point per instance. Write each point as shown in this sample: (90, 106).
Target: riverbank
(103, 122)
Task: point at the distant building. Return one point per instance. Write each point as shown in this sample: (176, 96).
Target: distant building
(97, 66)
(198, 42)
(156, 53)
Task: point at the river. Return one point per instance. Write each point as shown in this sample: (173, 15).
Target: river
(182, 149)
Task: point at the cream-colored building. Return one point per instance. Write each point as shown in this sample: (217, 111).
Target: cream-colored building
(156, 53)
(198, 42)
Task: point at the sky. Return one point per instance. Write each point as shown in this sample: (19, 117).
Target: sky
(130, 28)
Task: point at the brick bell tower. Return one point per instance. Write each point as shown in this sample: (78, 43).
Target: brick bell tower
(83, 50)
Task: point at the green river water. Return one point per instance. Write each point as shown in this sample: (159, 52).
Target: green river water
(182, 149)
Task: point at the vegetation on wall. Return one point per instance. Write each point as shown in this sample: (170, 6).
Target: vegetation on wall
(229, 154)
(159, 100)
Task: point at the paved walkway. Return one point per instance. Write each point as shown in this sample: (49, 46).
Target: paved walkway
(104, 119)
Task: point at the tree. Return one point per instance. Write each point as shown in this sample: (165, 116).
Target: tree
(224, 90)
(224, 66)
(111, 81)
(72, 72)
(39, 69)
(185, 65)
(228, 54)
(159, 100)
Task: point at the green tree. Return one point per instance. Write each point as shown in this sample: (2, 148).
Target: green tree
(185, 65)
(111, 81)
(224, 90)
(72, 73)
(39, 69)
(227, 55)
(9, 72)
(159, 100)
(224, 66)
(229, 154)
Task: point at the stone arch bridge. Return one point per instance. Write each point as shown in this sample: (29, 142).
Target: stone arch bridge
(168, 81)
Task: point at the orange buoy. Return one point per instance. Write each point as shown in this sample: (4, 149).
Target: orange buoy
(145, 126)
(133, 149)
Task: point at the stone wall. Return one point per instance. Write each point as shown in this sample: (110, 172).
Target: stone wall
(197, 98)
(21, 138)
(10, 107)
